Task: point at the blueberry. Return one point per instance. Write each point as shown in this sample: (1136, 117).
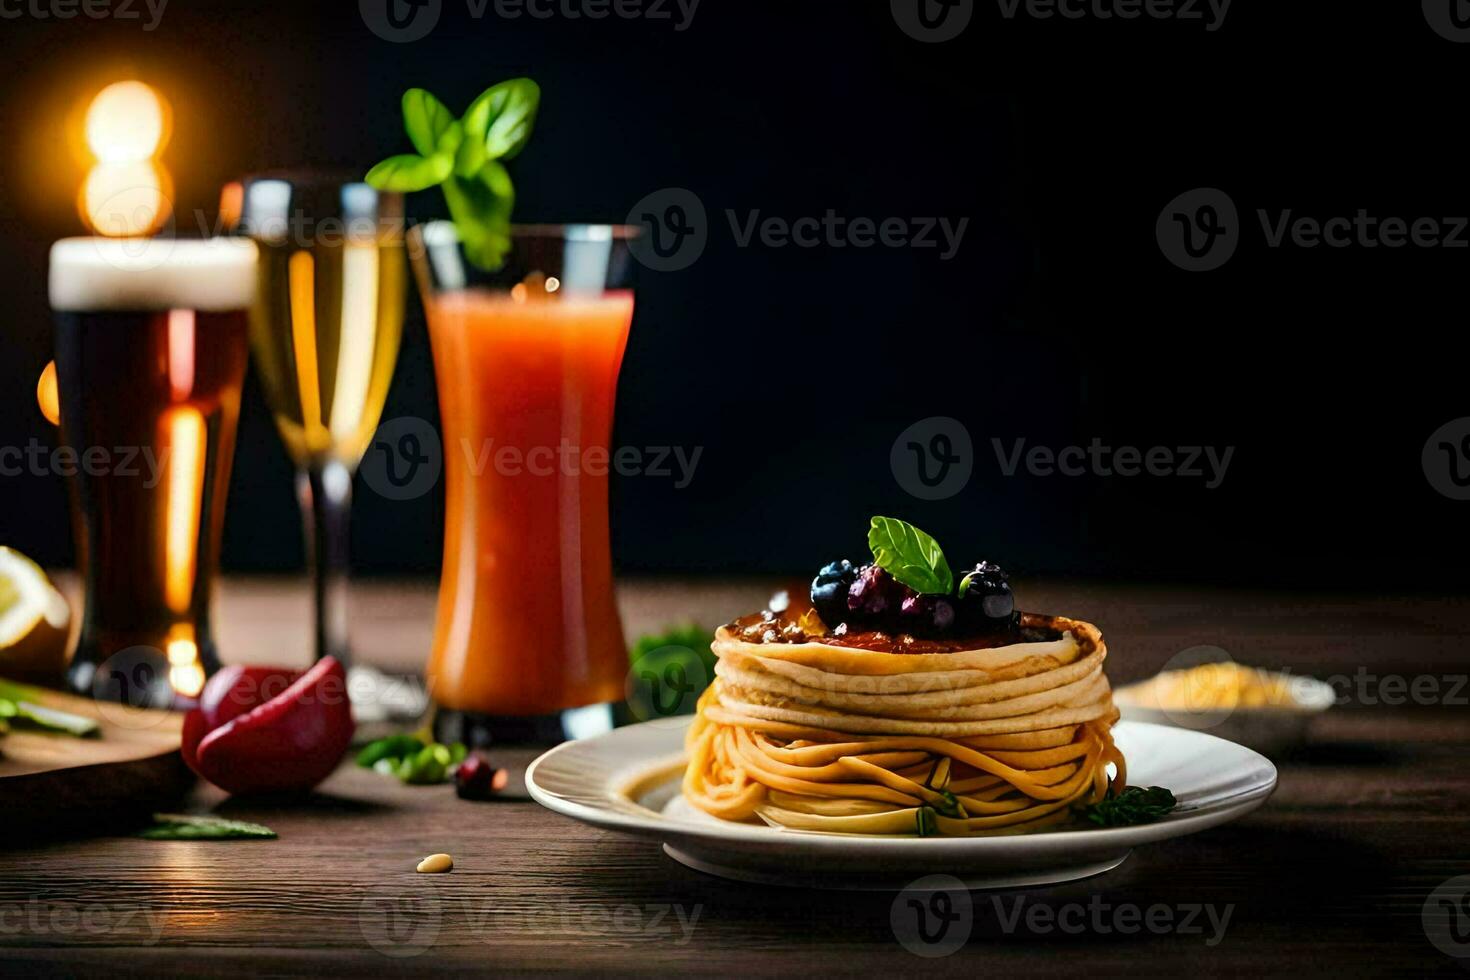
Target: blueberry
(829, 591)
(985, 598)
(873, 594)
(926, 615)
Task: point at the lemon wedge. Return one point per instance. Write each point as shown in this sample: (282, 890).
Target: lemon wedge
(34, 620)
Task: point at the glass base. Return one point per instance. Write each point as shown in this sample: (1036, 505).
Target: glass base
(528, 731)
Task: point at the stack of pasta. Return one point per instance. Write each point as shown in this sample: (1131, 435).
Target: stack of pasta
(822, 737)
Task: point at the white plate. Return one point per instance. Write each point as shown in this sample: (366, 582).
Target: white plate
(1214, 780)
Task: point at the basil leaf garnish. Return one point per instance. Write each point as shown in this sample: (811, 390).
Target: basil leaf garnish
(409, 172)
(424, 119)
(503, 115)
(910, 556)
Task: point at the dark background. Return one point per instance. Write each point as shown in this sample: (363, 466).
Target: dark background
(795, 369)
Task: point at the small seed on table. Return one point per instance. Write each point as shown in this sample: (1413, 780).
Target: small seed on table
(435, 863)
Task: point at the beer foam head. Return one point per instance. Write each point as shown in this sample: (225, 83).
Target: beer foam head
(96, 274)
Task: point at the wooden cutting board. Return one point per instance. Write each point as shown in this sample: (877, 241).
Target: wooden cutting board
(62, 784)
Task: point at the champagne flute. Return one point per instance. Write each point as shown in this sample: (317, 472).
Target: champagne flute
(325, 330)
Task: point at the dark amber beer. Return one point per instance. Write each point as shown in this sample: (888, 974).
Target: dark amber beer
(151, 347)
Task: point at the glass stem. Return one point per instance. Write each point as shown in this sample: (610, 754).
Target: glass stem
(325, 492)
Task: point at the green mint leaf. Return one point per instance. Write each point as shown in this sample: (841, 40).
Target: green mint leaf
(481, 209)
(1134, 805)
(179, 826)
(408, 172)
(503, 116)
(425, 119)
(910, 556)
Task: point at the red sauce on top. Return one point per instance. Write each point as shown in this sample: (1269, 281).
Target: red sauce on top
(804, 626)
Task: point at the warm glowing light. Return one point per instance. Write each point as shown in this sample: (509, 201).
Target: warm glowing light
(552, 284)
(181, 353)
(126, 123)
(518, 292)
(187, 679)
(185, 672)
(124, 200)
(184, 425)
(46, 395)
(356, 348)
(231, 203)
(301, 272)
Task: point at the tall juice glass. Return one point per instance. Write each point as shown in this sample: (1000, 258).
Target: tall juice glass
(526, 360)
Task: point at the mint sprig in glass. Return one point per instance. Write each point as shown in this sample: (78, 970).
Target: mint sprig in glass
(465, 157)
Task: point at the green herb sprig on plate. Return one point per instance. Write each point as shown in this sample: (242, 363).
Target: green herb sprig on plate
(465, 157)
(1134, 805)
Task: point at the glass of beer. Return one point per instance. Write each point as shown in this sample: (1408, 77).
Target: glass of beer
(325, 328)
(526, 360)
(150, 357)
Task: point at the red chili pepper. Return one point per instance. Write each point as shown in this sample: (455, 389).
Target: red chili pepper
(269, 729)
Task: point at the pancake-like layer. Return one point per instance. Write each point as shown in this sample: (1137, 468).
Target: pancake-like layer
(1019, 687)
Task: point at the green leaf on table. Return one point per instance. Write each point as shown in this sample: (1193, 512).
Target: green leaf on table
(391, 747)
(19, 704)
(425, 119)
(503, 116)
(410, 172)
(1134, 805)
(910, 556)
(180, 826)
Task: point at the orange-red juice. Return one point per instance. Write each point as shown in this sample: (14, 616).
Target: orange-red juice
(527, 621)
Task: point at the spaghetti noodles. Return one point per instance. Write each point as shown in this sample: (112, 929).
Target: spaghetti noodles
(825, 736)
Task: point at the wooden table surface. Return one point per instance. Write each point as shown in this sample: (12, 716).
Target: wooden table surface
(1331, 875)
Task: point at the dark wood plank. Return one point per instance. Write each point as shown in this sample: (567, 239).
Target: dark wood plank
(1331, 875)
